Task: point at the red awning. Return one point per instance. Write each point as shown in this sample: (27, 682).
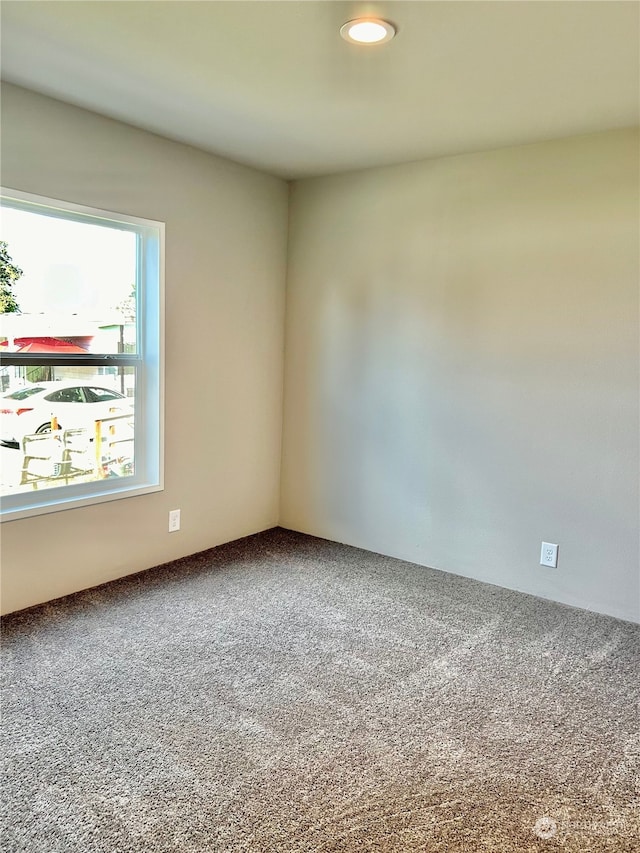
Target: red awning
(51, 345)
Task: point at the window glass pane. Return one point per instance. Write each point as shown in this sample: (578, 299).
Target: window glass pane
(100, 395)
(76, 291)
(75, 426)
(72, 394)
(23, 393)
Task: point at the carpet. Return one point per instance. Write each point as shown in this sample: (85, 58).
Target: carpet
(284, 693)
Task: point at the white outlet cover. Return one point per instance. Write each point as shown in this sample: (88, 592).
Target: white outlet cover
(549, 555)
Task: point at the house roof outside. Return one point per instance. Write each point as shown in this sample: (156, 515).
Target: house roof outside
(18, 331)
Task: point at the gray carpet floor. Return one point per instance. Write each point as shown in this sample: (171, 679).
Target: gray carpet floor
(284, 693)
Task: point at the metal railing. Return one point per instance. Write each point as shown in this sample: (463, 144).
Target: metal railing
(63, 455)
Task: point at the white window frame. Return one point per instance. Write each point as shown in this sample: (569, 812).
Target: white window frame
(148, 360)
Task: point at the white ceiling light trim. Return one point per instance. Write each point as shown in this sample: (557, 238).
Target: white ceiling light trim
(367, 31)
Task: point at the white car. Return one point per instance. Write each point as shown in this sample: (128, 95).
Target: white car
(74, 405)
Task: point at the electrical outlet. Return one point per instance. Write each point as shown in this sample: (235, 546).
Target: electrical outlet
(174, 520)
(549, 555)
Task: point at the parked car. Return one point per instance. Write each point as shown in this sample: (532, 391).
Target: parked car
(74, 405)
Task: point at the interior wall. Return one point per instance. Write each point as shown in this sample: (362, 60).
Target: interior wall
(461, 366)
(226, 232)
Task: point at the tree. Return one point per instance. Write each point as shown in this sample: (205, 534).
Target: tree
(128, 306)
(9, 275)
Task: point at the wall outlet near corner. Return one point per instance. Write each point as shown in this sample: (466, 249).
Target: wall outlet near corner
(174, 520)
(548, 555)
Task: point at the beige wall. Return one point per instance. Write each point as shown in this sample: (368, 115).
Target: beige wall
(226, 229)
(462, 366)
(461, 358)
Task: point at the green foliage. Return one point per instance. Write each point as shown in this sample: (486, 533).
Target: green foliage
(9, 275)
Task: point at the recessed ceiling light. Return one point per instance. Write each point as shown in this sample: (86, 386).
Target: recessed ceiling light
(367, 31)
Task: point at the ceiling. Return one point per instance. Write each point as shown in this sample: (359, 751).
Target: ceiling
(272, 84)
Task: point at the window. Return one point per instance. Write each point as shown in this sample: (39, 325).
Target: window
(100, 395)
(81, 296)
(67, 395)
